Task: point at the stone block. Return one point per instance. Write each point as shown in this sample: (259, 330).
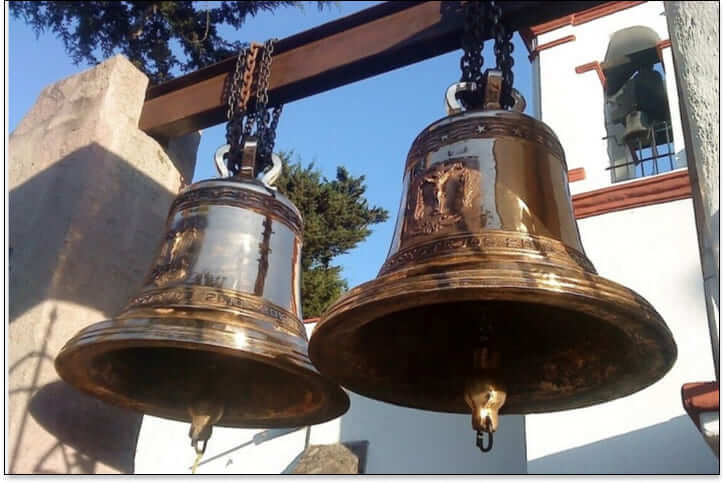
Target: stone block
(89, 195)
(327, 459)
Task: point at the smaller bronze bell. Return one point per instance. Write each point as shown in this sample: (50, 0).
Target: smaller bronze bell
(214, 336)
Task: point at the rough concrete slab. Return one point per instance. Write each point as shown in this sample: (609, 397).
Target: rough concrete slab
(89, 194)
(694, 33)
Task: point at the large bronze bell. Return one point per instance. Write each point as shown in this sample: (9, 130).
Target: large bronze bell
(214, 336)
(486, 300)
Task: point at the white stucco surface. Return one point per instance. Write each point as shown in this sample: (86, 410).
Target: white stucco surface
(401, 440)
(653, 251)
(572, 104)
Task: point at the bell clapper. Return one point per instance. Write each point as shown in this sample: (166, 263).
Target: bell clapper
(485, 398)
(484, 393)
(204, 414)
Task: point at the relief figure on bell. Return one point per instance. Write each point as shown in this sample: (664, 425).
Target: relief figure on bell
(444, 198)
(177, 249)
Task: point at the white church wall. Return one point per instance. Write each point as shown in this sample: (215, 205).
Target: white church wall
(400, 440)
(164, 448)
(410, 441)
(569, 100)
(652, 250)
(673, 97)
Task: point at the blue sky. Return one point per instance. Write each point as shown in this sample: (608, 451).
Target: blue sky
(367, 126)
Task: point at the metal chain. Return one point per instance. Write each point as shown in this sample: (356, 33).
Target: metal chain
(232, 97)
(233, 114)
(241, 118)
(471, 62)
(265, 123)
(503, 54)
(262, 89)
(477, 15)
(270, 133)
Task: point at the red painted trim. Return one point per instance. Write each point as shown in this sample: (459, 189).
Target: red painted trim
(528, 38)
(312, 320)
(601, 11)
(660, 46)
(577, 174)
(551, 44)
(552, 25)
(595, 65)
(699, 397)
(634, 194)
(583, 16)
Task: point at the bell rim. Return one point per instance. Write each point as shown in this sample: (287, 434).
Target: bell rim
(115, 335)
(489, 287)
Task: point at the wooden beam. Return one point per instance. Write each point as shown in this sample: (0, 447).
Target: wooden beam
(373, 41)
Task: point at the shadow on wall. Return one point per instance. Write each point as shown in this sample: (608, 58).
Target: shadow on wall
(90, 252)
(668, 447)
(91, 192)
(411, 441)
(77, 421)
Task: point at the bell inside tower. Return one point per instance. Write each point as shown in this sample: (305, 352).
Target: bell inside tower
(638, 120)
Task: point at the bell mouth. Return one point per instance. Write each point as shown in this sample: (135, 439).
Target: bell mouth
(566, 339)
(162, 367)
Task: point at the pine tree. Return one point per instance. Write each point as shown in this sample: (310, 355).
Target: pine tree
(145, 31)
(336, 218)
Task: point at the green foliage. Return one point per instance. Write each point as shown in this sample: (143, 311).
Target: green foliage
(320, 287)
(145, 31)
(336, 218)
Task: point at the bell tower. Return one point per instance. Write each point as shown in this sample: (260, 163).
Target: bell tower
(603, 80)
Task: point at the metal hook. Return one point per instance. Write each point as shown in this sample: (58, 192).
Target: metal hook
(271, 176)
(220, 162)
(452, 103)
(479, 441)
(268, 178)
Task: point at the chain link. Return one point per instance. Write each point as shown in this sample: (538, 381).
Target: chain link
(471, 62)
(232, 97)
(235, 118)
(503, 54)
(242, 120)
(478, 15)
(264, 123)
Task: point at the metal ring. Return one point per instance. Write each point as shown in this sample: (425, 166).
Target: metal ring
(479, 441)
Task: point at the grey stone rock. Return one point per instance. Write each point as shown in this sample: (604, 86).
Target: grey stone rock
(327, 459)
(89, 195)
